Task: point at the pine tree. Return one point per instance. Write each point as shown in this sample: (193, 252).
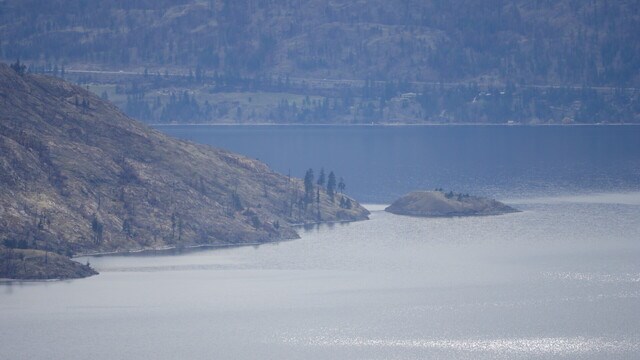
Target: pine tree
(308, 186)
(321, 178)
(331, 185)
(19, 68)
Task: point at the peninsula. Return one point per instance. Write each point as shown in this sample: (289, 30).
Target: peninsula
(77, 176)
(440, 204)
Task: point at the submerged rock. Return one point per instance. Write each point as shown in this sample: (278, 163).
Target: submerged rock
(440, 204)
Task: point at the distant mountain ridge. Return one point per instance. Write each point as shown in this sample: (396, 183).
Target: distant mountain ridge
(340, 61)
(564, 42)
(78, 176)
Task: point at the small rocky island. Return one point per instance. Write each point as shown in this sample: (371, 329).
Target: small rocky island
(437, 203)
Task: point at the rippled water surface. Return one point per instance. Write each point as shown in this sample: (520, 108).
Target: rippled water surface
(561, 279)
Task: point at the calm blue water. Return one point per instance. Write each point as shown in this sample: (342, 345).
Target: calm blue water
(560, 280)
(380, 163)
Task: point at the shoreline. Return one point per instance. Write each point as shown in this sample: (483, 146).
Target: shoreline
(170, 248)
(167, 249)
(13, 281)
(170, 251)
(259, 124)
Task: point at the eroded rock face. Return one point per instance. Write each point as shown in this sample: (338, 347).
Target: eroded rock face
(78, 176)
(440, 204)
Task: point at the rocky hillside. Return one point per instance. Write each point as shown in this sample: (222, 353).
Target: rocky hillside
(78, 176)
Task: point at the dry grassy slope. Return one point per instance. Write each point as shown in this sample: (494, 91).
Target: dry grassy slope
(76, 175)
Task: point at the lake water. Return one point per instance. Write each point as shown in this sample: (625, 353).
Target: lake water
(381, 163)
(559, 280)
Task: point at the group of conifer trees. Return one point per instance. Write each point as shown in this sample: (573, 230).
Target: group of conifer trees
(312, 187)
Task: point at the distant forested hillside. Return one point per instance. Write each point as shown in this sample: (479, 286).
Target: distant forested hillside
(522, 44)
